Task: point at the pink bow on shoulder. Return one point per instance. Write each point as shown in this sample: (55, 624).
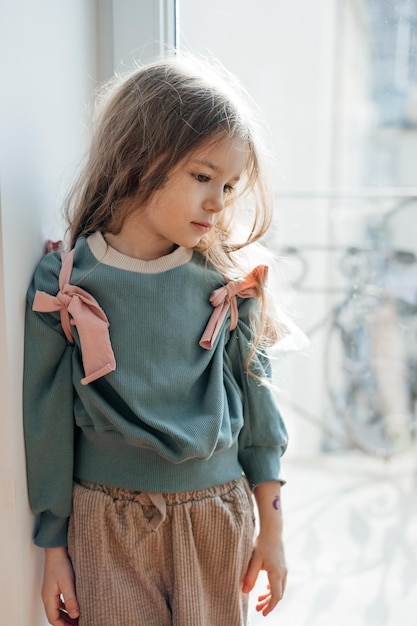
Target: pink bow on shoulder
(77, 307)
(224, 299)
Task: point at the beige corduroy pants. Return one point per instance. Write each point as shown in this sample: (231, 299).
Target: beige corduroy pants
(145, 559)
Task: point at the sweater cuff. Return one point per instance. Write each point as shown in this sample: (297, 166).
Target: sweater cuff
(262, 465)
(51, 531)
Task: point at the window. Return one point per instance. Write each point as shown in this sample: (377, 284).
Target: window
(337, 82)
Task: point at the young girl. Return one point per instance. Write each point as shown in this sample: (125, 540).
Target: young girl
(147, 421)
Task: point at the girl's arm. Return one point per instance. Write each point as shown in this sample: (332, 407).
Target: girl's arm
(48, 413)
(268, 552)
(58, 581)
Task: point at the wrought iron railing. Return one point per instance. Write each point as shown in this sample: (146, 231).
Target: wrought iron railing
(367, 332)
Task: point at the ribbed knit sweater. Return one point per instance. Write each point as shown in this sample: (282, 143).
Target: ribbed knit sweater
(172, 416)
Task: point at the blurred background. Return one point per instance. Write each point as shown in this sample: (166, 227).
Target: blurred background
(336, 81)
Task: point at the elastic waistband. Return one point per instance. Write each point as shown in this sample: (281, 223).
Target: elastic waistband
(145, 497)
(161, 501)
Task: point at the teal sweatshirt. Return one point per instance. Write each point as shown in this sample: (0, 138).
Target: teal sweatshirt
(172, 416)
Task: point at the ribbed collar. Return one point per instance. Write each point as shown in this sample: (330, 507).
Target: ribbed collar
(109, 256)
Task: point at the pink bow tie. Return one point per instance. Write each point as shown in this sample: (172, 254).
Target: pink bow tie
(77, 307)
(224, 299)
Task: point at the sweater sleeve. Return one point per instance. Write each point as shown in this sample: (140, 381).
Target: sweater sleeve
(263, 438)
(48, 412)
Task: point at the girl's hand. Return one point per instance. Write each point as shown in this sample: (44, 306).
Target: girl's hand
(268, 553)
(58, 590)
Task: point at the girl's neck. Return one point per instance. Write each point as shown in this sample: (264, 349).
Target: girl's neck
(131, 244)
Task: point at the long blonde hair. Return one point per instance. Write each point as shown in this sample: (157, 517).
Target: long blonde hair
(150, 120)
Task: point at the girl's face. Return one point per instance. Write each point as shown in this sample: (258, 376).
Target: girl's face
(189, 204)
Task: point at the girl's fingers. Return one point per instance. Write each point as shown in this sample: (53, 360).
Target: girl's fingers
(251, 574)
(268, 601)
(70, 605)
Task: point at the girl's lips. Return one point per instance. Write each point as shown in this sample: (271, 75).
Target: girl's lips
(203, 226)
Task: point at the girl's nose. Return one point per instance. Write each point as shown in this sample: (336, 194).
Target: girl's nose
(214, 204)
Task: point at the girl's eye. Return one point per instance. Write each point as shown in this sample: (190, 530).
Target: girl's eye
(202, 178)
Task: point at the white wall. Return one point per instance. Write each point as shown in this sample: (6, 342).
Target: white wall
(47, 64)
(51, 55)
